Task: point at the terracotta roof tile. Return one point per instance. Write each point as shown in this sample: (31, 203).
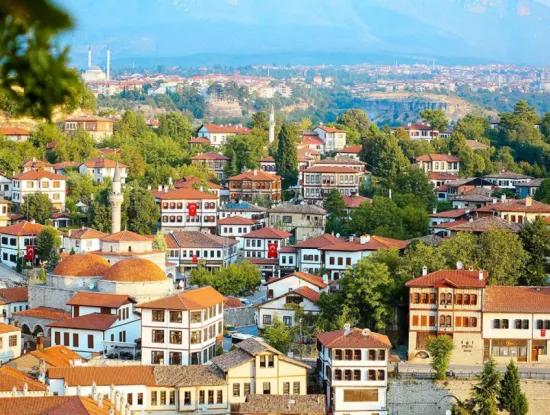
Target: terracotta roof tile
(7, 130)
(82, 265)
(10, 378)
(197, 299)
(39, 174)
(526, 205)
(54, 405)
(199, 140)
(14, 295)
(355, 201)
(211, 155)
(354, 149)
(319, 168)
(93, 299)
(508, 299)
(460, 278)
(196, 239)
(102, 162)
(438, 157)
(104, 375)
(454, 213)
(23, 228)
(184, 194)
(283, 404)
(312, 279)
(484, 224)
(256, 176)
(57, 356)
(94, 321)
(232, 302)
(268, 233)
(307, 292)
(434, 175)
(8, 328)
(227, 129)
(236, 220)
(354, 339)
(135, 270)
(46, 313)
(86, 233)
(126, 236)
(329, 129)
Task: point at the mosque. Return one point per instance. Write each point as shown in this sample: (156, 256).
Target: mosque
(126, 264)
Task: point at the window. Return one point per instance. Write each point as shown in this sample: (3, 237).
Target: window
(267, 319)
(348, 354)
(90, 341)
(57, 338)
(381, 354)
(356, 374)
(219, 396)
(175, 337)
(236, 389)
(210, 397)
(525, 324)
(154, 398)
(140, 398)
(75, 340)
(286, 388)
(172, 397)
(517, 324)
(187, 398)
(66, 339)
(246, 389)
(174, 358)
(129, 398)
(201, 397)
(175, 316)
(357, 354)
(338, 374)
(347, 374)
(157, 357)
(157, 315)
(196, 317)
(287, 320)
(157, 336)
(296, 388)
(163, 397)
(372, 354)
(266, 387)
(195, 337)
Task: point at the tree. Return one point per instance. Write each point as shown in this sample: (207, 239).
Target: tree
(245, 151)
(543, 192)
(436, 118)
(414, 181)
(131, 124)
(37, 206)
(47, 241)
(260, 121)
(463, 248)
(365, 288)
(235, 279)
(384, 156)
(177, 126)
(142, 212)
(545, 126)
(535, 237)
(503, 256)
(381, 217)
(510, 397)
(485, 392)
(419, 255)
(440, 349)
(286, 160)
(231, 168)
(278, 335)
(356, 123)
(159, 242)
(34, 75)
(336, 211)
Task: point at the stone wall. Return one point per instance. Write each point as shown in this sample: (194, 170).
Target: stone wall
(412, 397)
(240, 316)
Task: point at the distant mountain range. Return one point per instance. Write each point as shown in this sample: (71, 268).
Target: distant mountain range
(237, 32)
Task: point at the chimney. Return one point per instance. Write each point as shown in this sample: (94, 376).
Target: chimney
(255, 172)
(528, 201)
(364, 239)
(108, 64)
(459, 265)
(503, 198)
(434, 210)
(89, 57)
(347, 329)
(480, 275)
(424, 270)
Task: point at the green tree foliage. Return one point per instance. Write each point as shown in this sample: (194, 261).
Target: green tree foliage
(510, 397)
(336, 212)
(13, 155)
(535, 237)
(78, 147)
(46, 133)
(141, 210)
(190, 100)
(383, 155)
(278, 335)
(260, 121)
(419, 255)
(436, 118)
(176, 126)
(473, 127)
(356, 124)
(286, 159)
(474, 163)
(236, 279)
(462, 247)
(413, 181)
(131, 124)
(543, 192)
(485, 392)
(34, 75)
(37, 206)
(48, 240)
(440, 349)
(503, 256)
(159, 242)
(545, 127)
(245, 151)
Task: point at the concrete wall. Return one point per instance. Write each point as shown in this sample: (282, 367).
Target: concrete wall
(412, 397)
(241, 316)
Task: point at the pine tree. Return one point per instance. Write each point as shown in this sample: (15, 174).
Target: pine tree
(511, 398)
(231, 168)
(485, 393)
(286, 159)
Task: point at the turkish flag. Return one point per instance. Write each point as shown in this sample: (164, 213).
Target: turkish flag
(192, 209)
(29, 253)
(272, 250)
(194, 259)
(542, 332)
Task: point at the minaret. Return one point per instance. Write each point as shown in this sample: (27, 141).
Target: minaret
(272, 125)
(108, 64)
(89, 57)
(116, 200)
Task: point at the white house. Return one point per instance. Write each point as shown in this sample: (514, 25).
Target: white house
(236, 227)
(183, 329)
(281, 307)
(82, 240)
(440, 163)
(256, 243)
(218, 134)
(15, 239)
(333, 138)
(353, 370)
(39, 181)
(13, 300)
(4, 211)
(10, 342)
(101, 168)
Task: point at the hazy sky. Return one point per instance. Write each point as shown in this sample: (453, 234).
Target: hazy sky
(514, 31)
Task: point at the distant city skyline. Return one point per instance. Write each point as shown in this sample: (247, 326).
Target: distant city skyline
(188, 32)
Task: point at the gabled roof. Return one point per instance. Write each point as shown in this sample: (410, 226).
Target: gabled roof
(55, 405)
(236, 220)
(355, 338)
(227, 129)
(527, 205)
(459, 278)
(354, 149)
(102, 162)
(319, 168)
(353, 202)
(330, 129)
(268, 233)
(211, 155)
(93, 299)
(46, 313)
(319, 242)
(196, 239)
(514, 299)
(306, 292)
(283, 404)
(507, 175)
(304, 276)
(94, 321)
(255, 176)
(14, 295)
(199, 140)
(57, 356)
(312, 139)
(10, 378)
(197, 299)
(435, 175)
(125, 236)
(22, 228)
(7, 130)
(438, 157)
(38, 174)
(184, 194)
(301, 208)
(454, 213)
(486, 223)
(8, 328)
(104, 375)
(86, 233)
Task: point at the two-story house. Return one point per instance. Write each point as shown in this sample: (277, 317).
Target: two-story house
(255, 185)
(12, 300)
(212, 161)
(516, 210)
(333, 138)
(82, 240)
(449, 302)
(98, 127)
(188, 209)
(236, 227)
(317, 181)
(219, 134)
(442, 163)
(17, 240)
(353, 371)
(349, 153)
(507, 179)
(183, 329)
(39, 181)
(10, 342)
(302, 221)
(421, 131)
(101, 168)
(262, 246)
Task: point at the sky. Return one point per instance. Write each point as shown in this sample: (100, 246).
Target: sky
(191, 32)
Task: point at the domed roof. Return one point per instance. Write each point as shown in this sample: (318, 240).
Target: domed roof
(135, 270)
(82, 265)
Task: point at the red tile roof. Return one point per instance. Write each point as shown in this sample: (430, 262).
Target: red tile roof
(319, 241)
(459, 278)
(10, 378)
(263, 261)
(14, 295)
(135, 270)
(255, 175)
(184, 194)
(268, 233)
(330, 129)
(312, 139)
(197, 299)
(94, 321)
(211, 155)
(437, 157)
(236, 220)
(527, 205)
(199, 140)
(104, 375)
(508, 299)
(484, 224)
(8, 328)
(356, 338)
(227, 129)
(355, 149)
(57, 356)
(46, 313)
(86, 233)
(23, 228)
(82, 265)
(267, 159)
(353, 202)
(102, 162)
(196, 239)
(434, 175)
(126, 236)
(232, 302)
(7, 130)
(191, 181)
(93, 299)
(319, 168)
(454, 213)
(54, 405)
(38, 174)
(308, 293)
(305, 276)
